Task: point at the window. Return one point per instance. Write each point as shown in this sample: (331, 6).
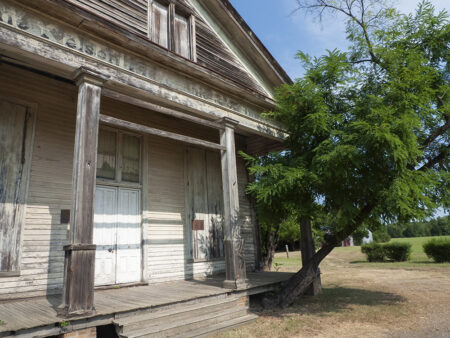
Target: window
(160, 24)
(171, 28)
(181, 36)
(106, 156)
(118, 156)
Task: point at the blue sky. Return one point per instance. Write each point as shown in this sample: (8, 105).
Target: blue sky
(284, 33)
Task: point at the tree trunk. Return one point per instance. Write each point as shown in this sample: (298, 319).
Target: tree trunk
(299, 283)
(308, 250)
(271, 244)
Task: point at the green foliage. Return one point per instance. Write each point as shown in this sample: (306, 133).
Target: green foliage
(2, 322)
(64, 324)
(438, 249)
(374, 251)
(289, 230)
(368, 128)
(277, 266)
(358, 235)
(397, 252)
(434, 227)
(381, 236)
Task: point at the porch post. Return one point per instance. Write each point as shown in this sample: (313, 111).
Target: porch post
(234, 244)
(79, 264)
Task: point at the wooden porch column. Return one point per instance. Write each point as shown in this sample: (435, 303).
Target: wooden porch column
(234, 244)
(78, 293)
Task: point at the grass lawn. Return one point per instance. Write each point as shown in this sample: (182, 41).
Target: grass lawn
(418, 256)
(362, 299)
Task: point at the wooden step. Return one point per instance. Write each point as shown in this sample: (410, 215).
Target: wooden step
(178, 314)
(173, 328)
(222, 326)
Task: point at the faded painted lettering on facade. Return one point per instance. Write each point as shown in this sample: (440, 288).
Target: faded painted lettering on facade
(52, 31)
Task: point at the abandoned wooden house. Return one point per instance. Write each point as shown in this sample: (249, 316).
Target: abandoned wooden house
(121, 185)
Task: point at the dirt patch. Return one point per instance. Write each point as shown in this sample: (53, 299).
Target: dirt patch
(361, 301)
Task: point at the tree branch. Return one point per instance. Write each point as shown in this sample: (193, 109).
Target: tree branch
(434, 160)
(438, 132)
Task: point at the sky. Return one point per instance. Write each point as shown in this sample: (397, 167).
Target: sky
(284, 33)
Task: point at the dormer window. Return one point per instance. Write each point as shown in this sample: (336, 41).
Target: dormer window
(171, 28)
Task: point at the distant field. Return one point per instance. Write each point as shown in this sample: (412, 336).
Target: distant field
(354, 256)
(417, 247)
(418, 257)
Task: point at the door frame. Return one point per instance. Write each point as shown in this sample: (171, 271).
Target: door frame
(117, 195)
(142, 186)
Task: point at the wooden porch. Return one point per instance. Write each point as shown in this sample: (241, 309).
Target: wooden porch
(38, 316)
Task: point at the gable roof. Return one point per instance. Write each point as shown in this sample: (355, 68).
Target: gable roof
(245, 40)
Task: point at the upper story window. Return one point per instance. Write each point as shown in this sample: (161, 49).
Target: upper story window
(159, 21)
(171, 28)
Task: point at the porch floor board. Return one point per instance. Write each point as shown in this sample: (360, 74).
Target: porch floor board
(42, 311)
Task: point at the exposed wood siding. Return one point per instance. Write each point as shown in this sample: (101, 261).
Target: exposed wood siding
(16, 131)
(50, 188)
(214, 54)
(246, 215)
(132, 14)
(210, 50)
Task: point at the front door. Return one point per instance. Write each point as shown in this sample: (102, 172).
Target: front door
(117, 234)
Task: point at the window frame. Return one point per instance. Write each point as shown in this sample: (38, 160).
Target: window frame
(174, 10)
(117, 181)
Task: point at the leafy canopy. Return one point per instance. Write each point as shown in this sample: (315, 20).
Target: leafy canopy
(368, 128)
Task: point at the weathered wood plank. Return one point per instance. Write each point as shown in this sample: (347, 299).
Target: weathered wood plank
(234, 245)
(153, 131)
(130, 14)
(160, 109)
(79, 264)
(16, 131)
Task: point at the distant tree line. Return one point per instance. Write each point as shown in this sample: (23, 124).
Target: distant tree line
(434, 227)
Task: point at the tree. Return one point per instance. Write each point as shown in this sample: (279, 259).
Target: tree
(368, 128)
(276, 217)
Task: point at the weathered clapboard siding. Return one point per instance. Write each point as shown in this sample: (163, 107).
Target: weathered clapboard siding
(131, 14)
(246, 212)
(50, 182)
(50, 189)
(16, 130)
(211, 51)
(214, 54)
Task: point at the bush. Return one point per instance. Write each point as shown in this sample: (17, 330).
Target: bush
(381, 236)
(374, 252)
(398, 252)
(438, 249)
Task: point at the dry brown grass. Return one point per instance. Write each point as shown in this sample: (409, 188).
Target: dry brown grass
(361, 300)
